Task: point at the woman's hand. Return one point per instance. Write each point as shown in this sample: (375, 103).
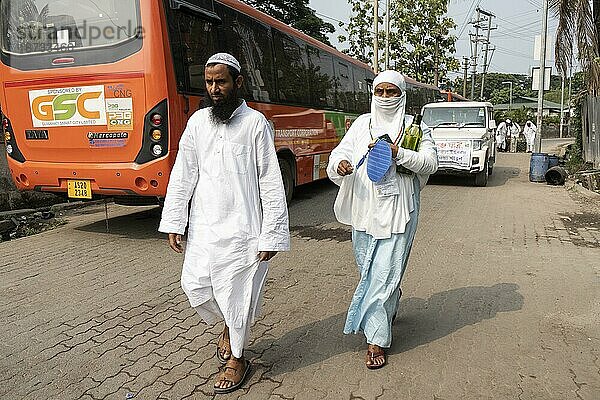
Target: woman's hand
(392, 146)
(345, 168)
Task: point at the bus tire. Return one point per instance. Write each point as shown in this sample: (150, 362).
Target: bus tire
(481, 178)
(288, 178)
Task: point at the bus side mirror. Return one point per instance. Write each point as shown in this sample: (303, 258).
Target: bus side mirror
(493, 124)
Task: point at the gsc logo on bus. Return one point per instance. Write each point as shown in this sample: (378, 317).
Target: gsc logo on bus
(76, 106)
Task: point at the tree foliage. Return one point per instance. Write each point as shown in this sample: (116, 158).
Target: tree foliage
(577, 28)
(498, 93)
(297, 14)
(420, 40)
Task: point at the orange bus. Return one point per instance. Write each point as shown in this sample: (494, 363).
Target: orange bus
(451, 96)
(96, 94)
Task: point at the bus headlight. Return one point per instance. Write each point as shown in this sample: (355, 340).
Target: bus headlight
(477, 144)
(9, 149)
(157, 150)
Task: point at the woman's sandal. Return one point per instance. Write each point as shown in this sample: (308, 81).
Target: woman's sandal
(372, 355)
(233, 375)
(223, 347)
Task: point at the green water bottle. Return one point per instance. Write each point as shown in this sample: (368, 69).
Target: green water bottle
(411, 140)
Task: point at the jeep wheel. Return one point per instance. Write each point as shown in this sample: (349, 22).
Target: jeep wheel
(481, 178)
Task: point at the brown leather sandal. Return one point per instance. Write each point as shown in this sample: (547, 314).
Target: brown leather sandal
(374, 354)
(235, 374)
(223, 352)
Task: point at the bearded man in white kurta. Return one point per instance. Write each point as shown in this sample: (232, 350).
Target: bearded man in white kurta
(227, 166)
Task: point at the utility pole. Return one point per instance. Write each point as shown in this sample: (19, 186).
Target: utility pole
(487, 48)
(387, 34)
(538, 136)
(570, 93)
(436, 76)
(474, 59)
(562, 104)
(466, 70)
(376, 36)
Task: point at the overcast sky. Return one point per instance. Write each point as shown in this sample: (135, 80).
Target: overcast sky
(518, 22)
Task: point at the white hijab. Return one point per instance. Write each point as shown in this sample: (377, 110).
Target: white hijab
(387, 114)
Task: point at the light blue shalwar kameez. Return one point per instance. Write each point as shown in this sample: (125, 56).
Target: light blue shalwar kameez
(381, 264)
(383, 225)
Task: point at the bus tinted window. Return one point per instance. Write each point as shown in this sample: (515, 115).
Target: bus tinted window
(345, 87)
(291, 66)
(252, 47)
(321, 77)
(193, 42)
(361, 89)
(35, 26)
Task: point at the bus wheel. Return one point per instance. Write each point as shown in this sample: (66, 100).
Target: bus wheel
(288, 178)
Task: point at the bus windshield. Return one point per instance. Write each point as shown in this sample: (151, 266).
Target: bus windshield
(454, 116)
(39, 26)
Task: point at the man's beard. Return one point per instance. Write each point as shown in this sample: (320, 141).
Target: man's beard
(221, 112)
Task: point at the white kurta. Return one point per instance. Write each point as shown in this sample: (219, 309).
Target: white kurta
(529, 132)
(357, 203)
(238, 208)
(501, 134)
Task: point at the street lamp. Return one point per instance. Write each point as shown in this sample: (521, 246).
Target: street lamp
(511, 93)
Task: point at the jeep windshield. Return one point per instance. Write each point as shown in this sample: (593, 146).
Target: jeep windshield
(41, 26)
(454, 116)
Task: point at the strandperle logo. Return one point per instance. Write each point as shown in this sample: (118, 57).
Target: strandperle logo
(74, 106)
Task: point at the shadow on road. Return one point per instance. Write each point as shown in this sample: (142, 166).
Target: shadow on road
(500, 176)
(420, 321)
(140, 225)
(311, 190)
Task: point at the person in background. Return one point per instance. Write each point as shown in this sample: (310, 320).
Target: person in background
(515, 131)
(501, 134)
(383, 215)
(530, 131)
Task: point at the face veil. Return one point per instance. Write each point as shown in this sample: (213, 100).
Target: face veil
(387, 113)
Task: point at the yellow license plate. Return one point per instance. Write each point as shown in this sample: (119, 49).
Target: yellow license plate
(78, 189)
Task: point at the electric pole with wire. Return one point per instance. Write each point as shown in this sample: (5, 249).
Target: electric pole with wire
(475, 40)
(486, 60)
(466, 71)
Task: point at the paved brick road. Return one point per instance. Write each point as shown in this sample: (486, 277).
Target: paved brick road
(504, 309)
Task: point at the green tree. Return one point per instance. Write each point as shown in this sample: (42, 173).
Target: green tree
(359, 31)
(420, 42)
(297, 14)
(577, 28)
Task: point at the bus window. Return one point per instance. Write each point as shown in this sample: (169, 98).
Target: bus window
(361, 89)
(291, 65)
(321, 77)
(252, 47)
(36, 26)
(345, 87)
(192, 42)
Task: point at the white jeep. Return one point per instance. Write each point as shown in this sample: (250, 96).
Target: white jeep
(465, 135)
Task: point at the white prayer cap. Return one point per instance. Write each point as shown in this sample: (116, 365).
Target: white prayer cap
(390, 76)
(225, 58)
